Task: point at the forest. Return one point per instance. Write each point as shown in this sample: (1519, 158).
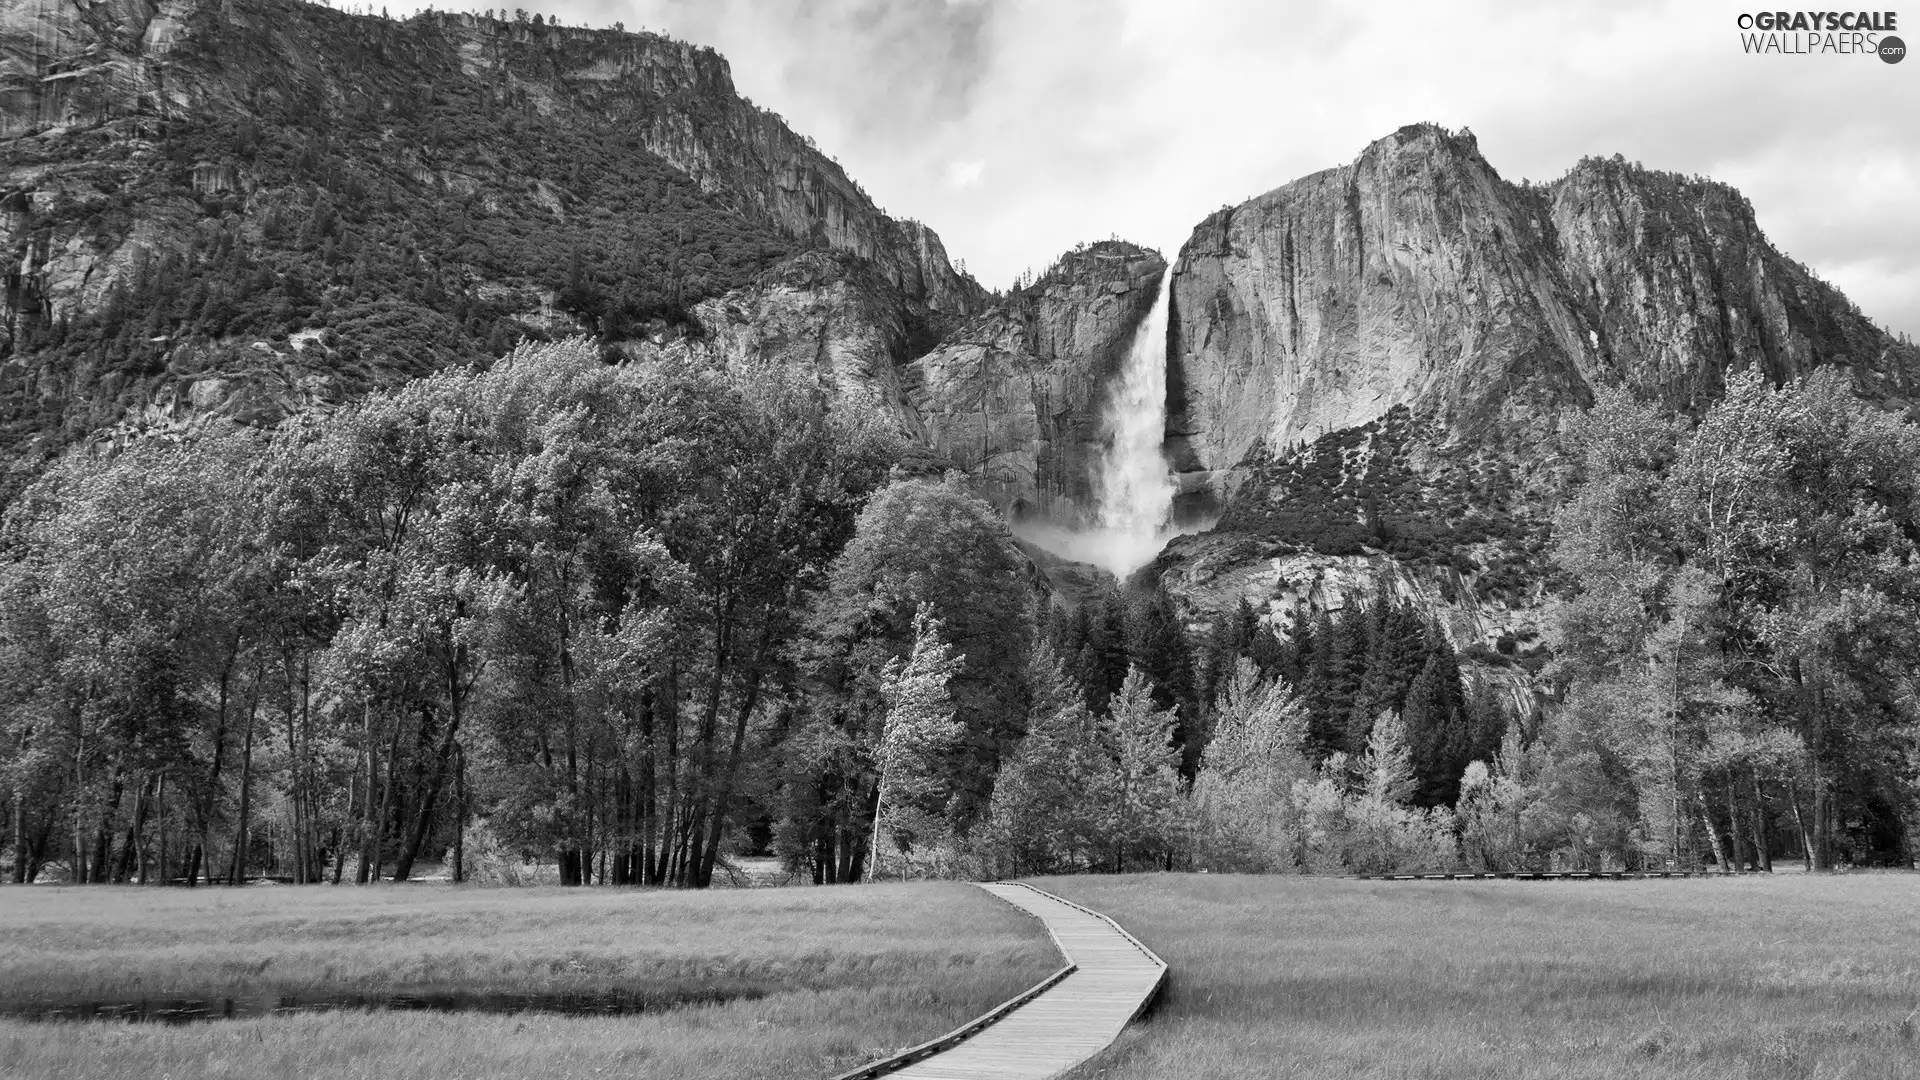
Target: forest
(632, 621)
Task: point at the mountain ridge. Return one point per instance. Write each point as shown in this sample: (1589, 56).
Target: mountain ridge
(435, 188)
(294, 204)
(1442, 286)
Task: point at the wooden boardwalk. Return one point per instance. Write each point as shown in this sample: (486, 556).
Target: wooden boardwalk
(1112, 981)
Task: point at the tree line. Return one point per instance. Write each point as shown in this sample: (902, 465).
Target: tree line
(630, 621)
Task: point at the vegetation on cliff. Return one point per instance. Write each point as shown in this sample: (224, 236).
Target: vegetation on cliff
(375, 199)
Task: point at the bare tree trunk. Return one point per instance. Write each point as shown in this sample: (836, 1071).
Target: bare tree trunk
(296, 784)
(1806, 839)
(1733, 829)
(238, 875)
(131, 851)
(879, 803)
(1713, 833)
(19, 837)
(160, 808)
(1822, 821)
(730, 776)
(1762, 843)
(460, 815)
(442, 761)
(376, 811)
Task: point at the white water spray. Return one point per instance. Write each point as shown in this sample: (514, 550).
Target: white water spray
(1133, 484)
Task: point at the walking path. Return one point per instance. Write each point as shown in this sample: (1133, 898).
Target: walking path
(1113, 978)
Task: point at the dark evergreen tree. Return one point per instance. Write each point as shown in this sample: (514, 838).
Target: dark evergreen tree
(1439, 733)
(1396, 651)
(1157, 645)
(1323, 686)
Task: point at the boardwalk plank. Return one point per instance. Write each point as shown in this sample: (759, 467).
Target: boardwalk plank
(1070, 1022)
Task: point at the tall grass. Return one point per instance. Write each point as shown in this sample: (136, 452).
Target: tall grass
(1763, 978)
(829, 977)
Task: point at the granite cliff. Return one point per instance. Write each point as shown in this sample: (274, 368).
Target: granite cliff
(1368, 368)
(249, 207)
(1016, 395)
(1416, 276)
(215, 205)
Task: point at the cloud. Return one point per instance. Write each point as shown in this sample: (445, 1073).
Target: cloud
(1139, 117)
(964, 174)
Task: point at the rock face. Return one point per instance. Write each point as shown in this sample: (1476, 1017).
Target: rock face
(75, 64)
(1016, 396)
(1416, 276)
(1368, 368)
(183, 179)
(828, 314)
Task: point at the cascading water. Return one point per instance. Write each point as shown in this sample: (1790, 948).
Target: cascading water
(1135, 486)
(1132, 484)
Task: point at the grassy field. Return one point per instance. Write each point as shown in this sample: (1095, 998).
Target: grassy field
(822, 978)
(1784, 978)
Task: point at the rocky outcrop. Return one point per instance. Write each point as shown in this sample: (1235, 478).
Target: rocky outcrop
(1416, 276)
(1017, 395)
(828, 314)
(1681, 287)
(1368, 368)
(1014, 396)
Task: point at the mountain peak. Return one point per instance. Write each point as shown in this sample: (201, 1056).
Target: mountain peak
(1416, 277)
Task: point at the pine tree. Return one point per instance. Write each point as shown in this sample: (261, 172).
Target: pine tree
(1437, 726)
(1039, 818)
(1395, 654)
(1142, 791)
(1157, 645)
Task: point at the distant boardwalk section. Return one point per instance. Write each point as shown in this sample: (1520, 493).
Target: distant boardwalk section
(1113, 978)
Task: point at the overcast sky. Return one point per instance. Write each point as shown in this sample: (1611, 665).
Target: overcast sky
(1017, 128)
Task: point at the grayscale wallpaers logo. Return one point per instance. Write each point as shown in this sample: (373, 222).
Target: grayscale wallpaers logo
(1823, 33)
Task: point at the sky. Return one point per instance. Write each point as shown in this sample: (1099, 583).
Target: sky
(1018, 128)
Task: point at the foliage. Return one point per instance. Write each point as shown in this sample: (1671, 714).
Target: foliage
(1735, 662)
(1391, 485)
(408, 208)
(555, 594)
(919, 725)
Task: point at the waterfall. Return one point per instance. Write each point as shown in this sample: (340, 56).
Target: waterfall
(1134, 485)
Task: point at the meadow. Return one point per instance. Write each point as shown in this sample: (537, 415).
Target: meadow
(815, 981)
(1788, 977)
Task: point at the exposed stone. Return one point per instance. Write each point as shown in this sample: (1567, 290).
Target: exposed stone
(824, 312)
(1017, 395)
(1416, 276)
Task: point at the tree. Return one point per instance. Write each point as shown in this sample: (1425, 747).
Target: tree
(1385, 834)
(1243, 791)
(1437, 726)
(915, 542)
(1043, 817)
(919, 725)
(1157, 644)
(1142, 789)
